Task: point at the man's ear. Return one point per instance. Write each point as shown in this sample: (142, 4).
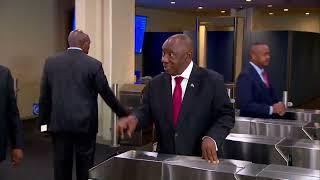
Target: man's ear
(189, 55)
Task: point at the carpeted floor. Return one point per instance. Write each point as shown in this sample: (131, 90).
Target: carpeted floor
(37, 163)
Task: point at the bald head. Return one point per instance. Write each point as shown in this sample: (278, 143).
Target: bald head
(78, 38)
(177, 53)
(260, 54)
(183, 41)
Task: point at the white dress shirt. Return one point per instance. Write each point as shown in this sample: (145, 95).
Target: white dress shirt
(260, 71)
(186, 75)
(75, 48)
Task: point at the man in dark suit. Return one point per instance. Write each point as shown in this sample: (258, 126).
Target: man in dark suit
(10, 123)
(189, 105)
(254, 93)
(71, 82)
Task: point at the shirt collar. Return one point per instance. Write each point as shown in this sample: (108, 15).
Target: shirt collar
(75, 48)
(259, 70)
(186, 73)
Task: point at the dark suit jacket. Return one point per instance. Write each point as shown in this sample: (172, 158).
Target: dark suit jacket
(252, 95)
(205, 111)
(70, 85)
(10, 124)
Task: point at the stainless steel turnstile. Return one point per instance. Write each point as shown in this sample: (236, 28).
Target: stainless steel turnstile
(256, 149)
(273, 150)
(270, 127)
(139, 165)
(305, 124)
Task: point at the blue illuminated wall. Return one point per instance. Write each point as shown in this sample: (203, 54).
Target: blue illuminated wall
(140, 28)
(74, 24)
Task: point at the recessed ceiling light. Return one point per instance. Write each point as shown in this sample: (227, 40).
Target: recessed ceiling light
(173, 2)
(307, 13)
(248, 0)
(270, 5)
(223, 11)
(200, 7)
(270, 13)
(286, 10)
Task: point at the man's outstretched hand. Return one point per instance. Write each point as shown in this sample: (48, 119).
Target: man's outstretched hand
(127, 125)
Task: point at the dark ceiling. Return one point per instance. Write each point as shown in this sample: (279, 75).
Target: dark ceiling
(218, 4)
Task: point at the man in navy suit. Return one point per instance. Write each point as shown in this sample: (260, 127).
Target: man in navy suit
(254, 93)
(188, 104)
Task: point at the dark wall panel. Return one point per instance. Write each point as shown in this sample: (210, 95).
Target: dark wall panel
(305, 75)
(220, 53)
(152, 52)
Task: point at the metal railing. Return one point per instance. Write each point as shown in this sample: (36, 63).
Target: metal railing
(114, 134)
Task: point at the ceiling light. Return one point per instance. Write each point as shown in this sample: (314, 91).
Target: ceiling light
(286, 10)
(270, 5)
(200, 7)
(173, 2)
(307, 13)
(248, 0)
(270, 13)
(223, 11)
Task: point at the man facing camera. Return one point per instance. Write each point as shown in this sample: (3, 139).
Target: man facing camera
(10, 123)
(254, 92)
(71, 82)
(189, 105)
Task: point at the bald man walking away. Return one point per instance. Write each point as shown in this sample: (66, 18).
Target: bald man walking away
(71, 82)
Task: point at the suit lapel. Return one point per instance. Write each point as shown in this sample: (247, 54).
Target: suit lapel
(257, 77)
(191, 89)
(168, 100)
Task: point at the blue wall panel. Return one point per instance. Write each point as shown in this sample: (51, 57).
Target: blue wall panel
(220, 53)
(152, 52)
(305, 74)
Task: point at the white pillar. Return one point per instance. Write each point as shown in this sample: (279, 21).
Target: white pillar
(110, 25)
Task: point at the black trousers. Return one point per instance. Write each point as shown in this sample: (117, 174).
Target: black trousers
(65, 146)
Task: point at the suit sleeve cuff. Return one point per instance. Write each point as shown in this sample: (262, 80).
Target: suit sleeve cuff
(212, 140)
(270, 110)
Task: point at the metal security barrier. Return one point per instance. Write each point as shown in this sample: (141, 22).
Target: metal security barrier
(256, 149)
(115, 88)
(273, 150)
(138, 165)
(305, 124)
(270, 127)
(301, 152)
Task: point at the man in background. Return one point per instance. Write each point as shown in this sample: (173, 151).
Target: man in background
(10, 123)
(188, 104)
(254, 92)
(71, 82)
